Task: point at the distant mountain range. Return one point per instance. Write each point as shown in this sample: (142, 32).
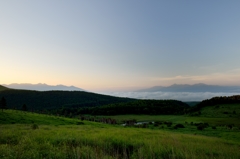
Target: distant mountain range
(193, 88)
(42, 87)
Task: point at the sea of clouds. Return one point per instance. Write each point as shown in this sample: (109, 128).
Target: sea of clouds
(182, 96)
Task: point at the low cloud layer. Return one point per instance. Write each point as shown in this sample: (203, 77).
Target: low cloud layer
(183, 96)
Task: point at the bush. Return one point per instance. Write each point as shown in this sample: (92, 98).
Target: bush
(206, 125)
(169, 124)
(214, 127)
(179, 126)
(80, 123)
(35, 126)
(200, 126)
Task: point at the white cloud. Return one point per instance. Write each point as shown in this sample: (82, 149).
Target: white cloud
(183, 96)
(230, 77)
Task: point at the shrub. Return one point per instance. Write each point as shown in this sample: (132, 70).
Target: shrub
(206, 125)
(214, 127)
(35, 126)
(158, 122)
(169, 124)
(80, 123)
(200, 126)
(179, 126)
(144, 125)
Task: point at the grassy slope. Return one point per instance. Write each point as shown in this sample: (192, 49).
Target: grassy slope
(63, 138)
(222, 111)
(20, 117)
(2, 88)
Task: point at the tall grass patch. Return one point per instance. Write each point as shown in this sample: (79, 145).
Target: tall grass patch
(90, 141)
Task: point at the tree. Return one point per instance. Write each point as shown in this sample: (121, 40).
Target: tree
(3, 103)
(24, 107)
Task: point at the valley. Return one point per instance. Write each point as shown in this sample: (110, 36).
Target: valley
(208, 130)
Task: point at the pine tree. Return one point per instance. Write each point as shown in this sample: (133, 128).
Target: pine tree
(3, 103)
(24, 107)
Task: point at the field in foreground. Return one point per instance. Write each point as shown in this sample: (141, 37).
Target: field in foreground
(71, 138)
(103, 141)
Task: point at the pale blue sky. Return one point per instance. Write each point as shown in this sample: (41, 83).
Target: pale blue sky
(120, 45)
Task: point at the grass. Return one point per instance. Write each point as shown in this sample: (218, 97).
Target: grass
(89, 141)
(180, 119)
(44, 136)
(222, 110)
(21, 117)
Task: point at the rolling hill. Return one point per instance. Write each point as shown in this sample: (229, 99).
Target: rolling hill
(193, 88)
(40, 100)
(42, 87)
(3, 88)
(218, 107)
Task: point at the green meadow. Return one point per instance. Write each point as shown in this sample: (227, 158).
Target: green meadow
(31, 135)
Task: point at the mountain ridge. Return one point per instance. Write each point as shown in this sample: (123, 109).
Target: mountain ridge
(200, 87)
(42, 87)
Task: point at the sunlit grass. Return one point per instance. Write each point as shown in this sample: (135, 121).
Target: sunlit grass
(88, 141)
(58, 137)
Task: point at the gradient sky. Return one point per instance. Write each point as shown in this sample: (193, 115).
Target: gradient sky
(121, 44)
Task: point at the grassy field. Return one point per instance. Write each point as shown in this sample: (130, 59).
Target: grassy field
(180, 119)
(57, 137)
(222, 110)
(20, 117)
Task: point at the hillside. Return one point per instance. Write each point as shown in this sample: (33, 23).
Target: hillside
(29, 135)
(221, 110)
(42, 87)
(20, 117)
(218, 107)
(36, 100)
(193, 88)
(152, 107)
(2, 88)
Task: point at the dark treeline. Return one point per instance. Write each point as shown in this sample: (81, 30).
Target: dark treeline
(215, 101)
(151, 107)
(38, 100)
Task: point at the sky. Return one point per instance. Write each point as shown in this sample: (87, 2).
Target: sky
(121, 45)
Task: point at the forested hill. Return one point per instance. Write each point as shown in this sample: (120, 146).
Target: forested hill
(3, 88)
(36, 100)
(217, 100)
(151, 107)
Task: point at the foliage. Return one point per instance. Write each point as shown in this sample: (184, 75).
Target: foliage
(45, 100)
(152, 107)
(216, 101)
(3, 103)
(179, 126)
(24, 107)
